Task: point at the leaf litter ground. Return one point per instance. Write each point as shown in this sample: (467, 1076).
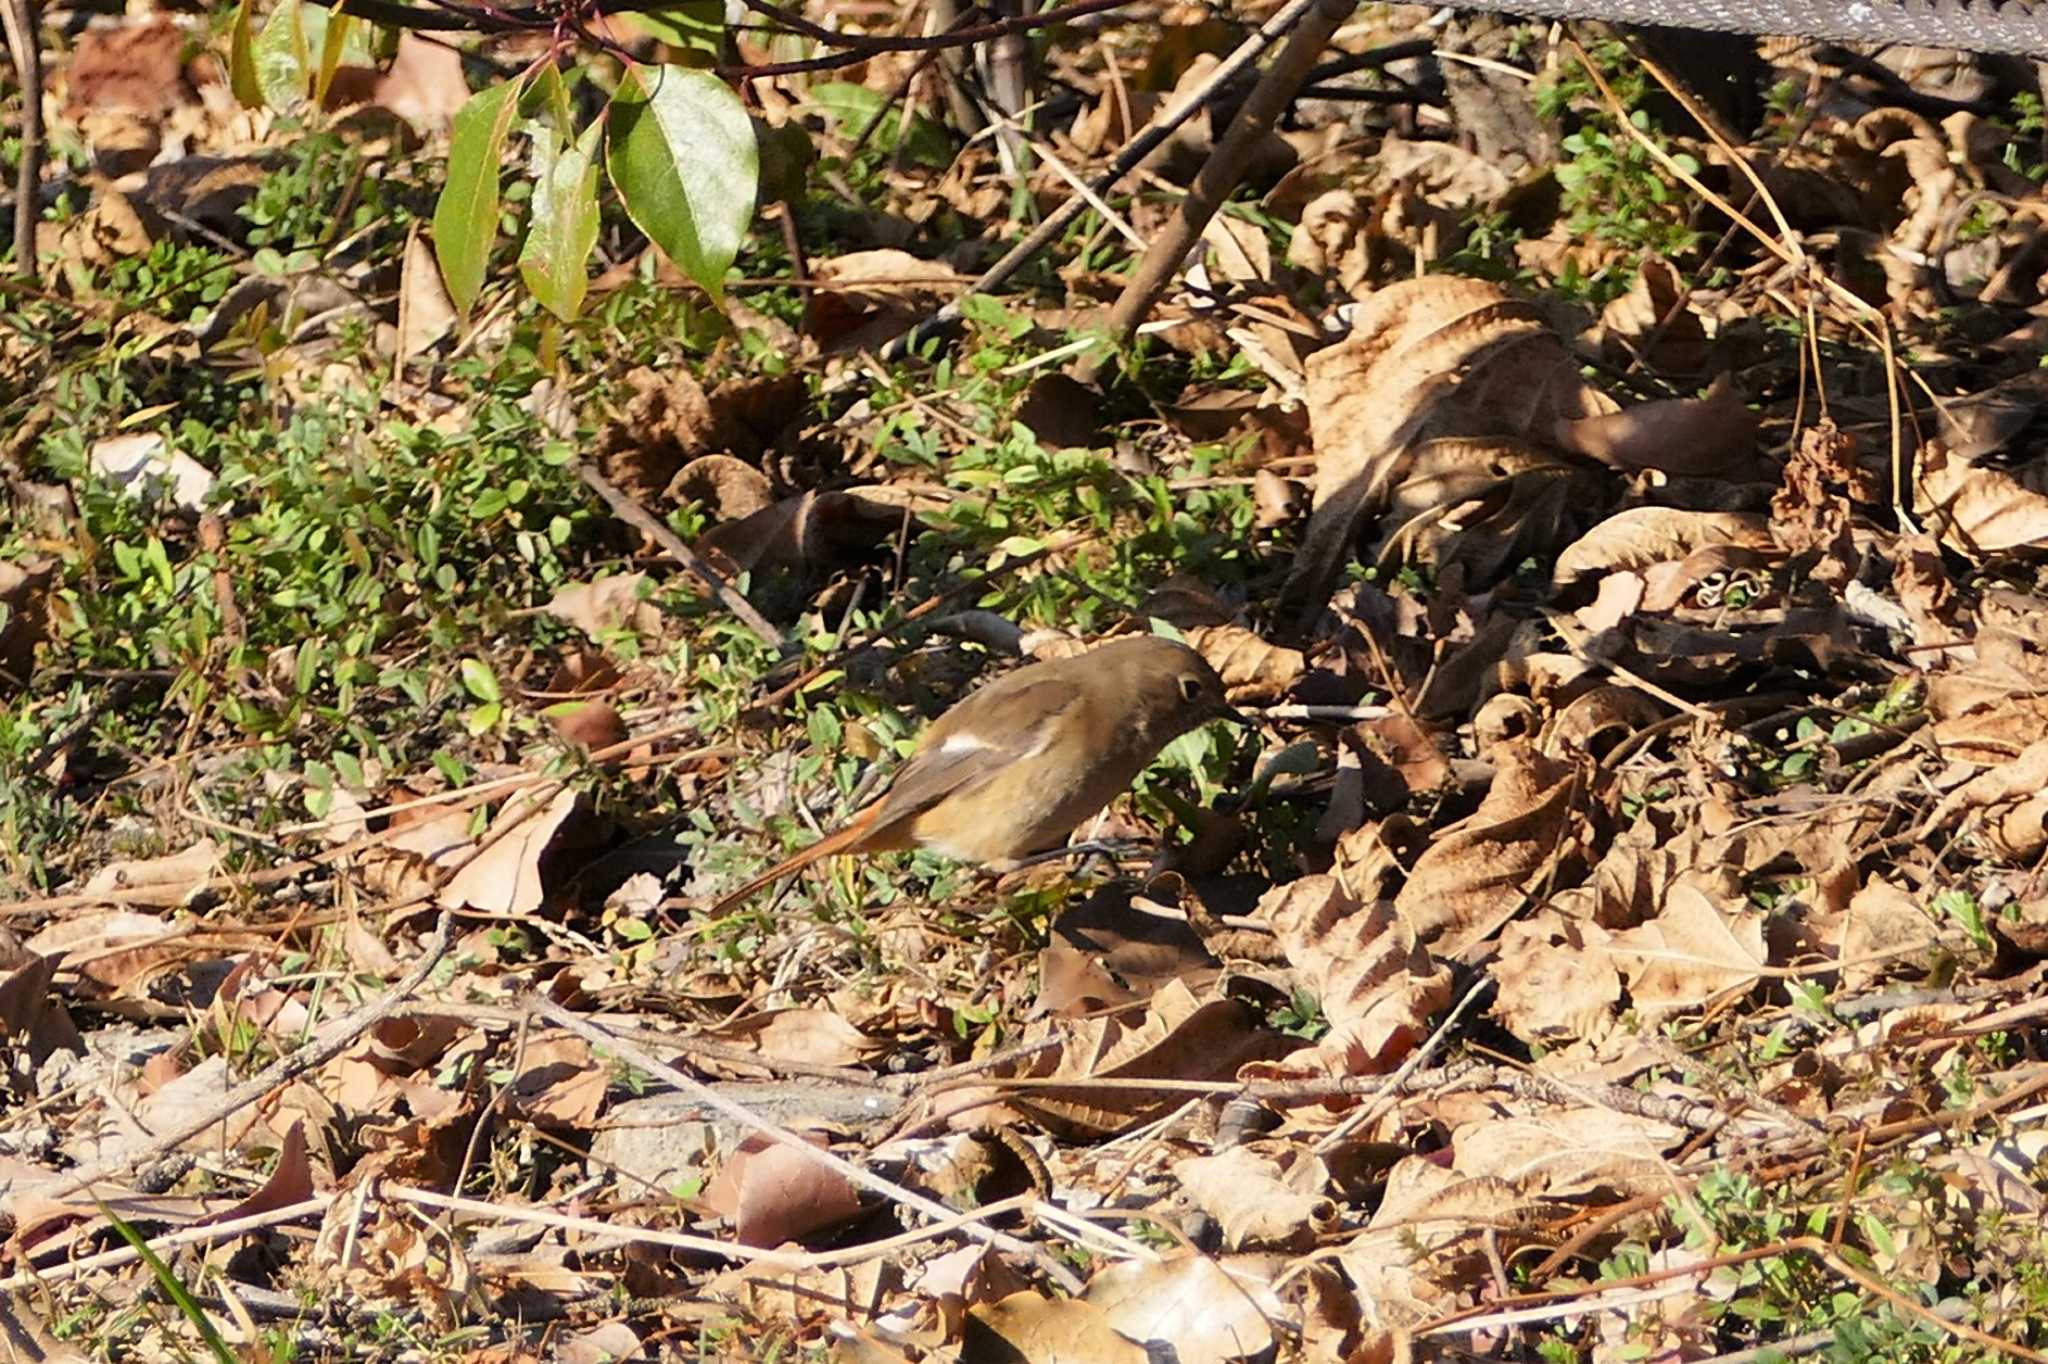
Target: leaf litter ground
(1618, 937)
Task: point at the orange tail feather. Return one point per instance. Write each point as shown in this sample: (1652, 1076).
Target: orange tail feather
(847, 839)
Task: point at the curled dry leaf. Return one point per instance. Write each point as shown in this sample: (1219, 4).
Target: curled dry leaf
(1484, 505)
(1710, 437)
(1641, 536)
(2008, 805)
(158, 880)
(1253, 671)
(1253, 1199)
(1690, 955)
(1426, 359)
(726, 487)
(1374, 982)
(1651, 323)
(1332, 239)
(812, 532)
(1477, 874)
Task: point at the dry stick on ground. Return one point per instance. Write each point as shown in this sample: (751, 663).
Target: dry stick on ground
(1222, 172)
(644, 521)
(19, 17)
(874, 1183)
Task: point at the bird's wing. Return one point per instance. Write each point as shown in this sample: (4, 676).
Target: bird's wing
(965, 748)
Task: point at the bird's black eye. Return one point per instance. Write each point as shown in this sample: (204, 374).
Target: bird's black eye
(1191, 687)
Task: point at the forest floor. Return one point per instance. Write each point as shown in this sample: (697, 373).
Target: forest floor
(1619, 933)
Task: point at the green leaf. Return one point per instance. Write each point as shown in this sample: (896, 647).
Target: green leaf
(466, 217)
(248, 90)
(696, 25)
(280, 55)
(332, 46)
(187, 1305)
(852, 107)
(479, 680)
(562, 228)
(681, 151)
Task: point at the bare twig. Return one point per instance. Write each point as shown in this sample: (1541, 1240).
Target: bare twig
(212, 1233)
(1224, 170)
(672, 544)
(23, 44)
(1210, 91)
(866, 1179)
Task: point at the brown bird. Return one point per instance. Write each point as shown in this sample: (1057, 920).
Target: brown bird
(1020, 763)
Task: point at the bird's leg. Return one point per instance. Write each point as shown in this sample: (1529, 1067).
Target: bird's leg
(1112, 849)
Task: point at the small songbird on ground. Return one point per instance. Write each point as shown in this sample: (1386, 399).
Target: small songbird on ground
(1020, 763)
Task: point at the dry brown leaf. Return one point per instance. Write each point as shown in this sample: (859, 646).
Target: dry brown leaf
(1690, 955)
(1206, 1311)
(1178, 1037)
(1254, 1199)
(812, 532)
(1979, 509)
(1375, 983)
(1029, 1328)
(505, 877)
(1477, 873)
(772, 1194)
(426, 313)
(1331, 239)
(1650, 323)
(610, 603)
(727, 488)
(873, 295)
(33, 1020)
(1550, 985)
(1253, 671)
(164, 880)
(1426, 359)
(2008, 805)
(1885, 930)
(816, 1037)
(144, 465)
(1569, 1154)
(1710, 437)
(1641, 536)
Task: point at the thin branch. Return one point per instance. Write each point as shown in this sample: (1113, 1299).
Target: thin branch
(644, 521)
(24, 43)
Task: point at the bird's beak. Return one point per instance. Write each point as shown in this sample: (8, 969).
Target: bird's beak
(1223, 710)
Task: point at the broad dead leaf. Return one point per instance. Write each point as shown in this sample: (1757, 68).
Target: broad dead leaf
(1550, 986)
(1641, 536)
(1690, 955)
(505, 878)
(1255, 1200)
(1477, 874)
(1709, 437)
(1427, 359)
(772, 1194)
(1363, 965)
